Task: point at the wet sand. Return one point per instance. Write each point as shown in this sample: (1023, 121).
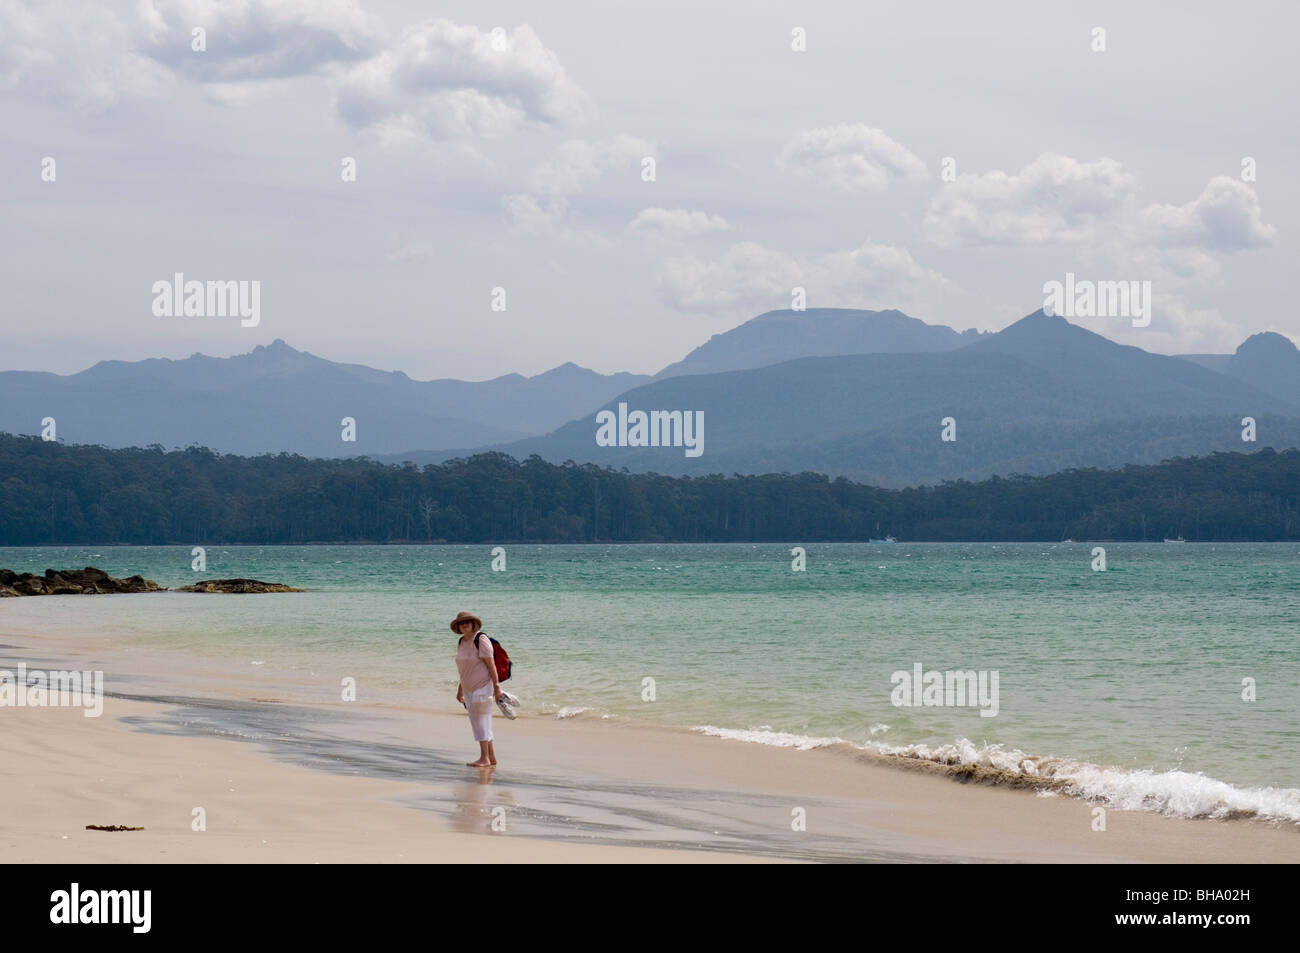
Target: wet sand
(284, 780)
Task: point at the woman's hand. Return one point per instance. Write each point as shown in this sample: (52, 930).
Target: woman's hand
(496, 692)
(460, 696)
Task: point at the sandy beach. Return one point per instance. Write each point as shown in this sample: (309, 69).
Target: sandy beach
(285, 781)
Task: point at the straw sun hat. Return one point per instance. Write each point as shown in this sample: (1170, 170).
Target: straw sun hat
(466, 616)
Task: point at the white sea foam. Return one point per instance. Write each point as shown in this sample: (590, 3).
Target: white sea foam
(1182, 794)
(570, 711)
(779, 739)
(1172, 793)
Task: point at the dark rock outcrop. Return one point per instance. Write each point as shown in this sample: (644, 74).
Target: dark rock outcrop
(237, 585)
(63, 582)
(89, 581)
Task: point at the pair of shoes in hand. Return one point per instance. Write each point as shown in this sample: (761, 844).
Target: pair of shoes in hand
(508, 703)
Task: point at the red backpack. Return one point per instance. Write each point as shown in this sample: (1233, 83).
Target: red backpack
(503, 663)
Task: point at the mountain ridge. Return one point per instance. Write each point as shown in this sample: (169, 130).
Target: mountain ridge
(869, 415)
(275, 397)
(1018, 397)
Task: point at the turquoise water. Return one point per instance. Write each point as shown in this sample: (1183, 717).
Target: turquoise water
(1138, 668)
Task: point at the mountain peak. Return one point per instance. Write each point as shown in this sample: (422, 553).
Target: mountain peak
(1038, 329)
(1039, 320)
(1270, 362)
(1267, 342)
(809, 314)
(783, 335)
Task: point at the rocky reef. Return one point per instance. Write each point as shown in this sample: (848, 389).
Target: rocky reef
(92, 581)
(237, 585)
(69, 582)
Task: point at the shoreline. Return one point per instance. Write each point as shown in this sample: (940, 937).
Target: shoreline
(192, 672)
(255, 808)
(365, 777)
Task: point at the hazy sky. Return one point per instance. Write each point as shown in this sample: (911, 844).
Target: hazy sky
(515, 160)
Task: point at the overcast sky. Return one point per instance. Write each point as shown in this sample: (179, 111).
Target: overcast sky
(516, 160)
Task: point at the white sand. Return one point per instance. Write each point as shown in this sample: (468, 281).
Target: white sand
(67, 771)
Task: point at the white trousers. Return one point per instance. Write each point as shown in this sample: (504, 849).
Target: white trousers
(479, 703)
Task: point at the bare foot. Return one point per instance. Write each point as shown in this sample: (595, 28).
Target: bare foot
(479, 764)
(493, 762)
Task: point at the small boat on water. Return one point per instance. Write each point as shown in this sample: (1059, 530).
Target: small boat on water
(887, 539)
(1178, 540)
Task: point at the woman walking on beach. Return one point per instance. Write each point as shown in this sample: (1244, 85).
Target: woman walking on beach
(479, 688)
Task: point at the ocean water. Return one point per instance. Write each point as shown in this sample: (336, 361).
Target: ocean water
(1123, 686)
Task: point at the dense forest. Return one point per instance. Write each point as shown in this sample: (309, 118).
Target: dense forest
(51, 493)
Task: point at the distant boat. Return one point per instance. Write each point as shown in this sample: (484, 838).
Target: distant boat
(1178, 540)
(887, 539)
(1067, 540)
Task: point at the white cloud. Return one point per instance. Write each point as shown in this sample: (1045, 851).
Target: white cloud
(577, 162)
(1053, 199)
(1181, 328)
(444, 80)
(91, 53)
(72, 52)
(749, 276)
(851, 157)
(1177, 327)
(1224, 217)
(550, 218)
(573, 166)
(256, 39)
(675, 223)
(1178, 246)
(1180, 265)
(414, 251)
(529, 213)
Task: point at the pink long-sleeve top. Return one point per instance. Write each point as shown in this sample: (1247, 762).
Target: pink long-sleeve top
(473, 662)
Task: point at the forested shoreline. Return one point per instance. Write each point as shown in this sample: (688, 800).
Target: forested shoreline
(55, 494)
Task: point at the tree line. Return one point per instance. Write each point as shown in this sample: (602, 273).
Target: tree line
(55, 494)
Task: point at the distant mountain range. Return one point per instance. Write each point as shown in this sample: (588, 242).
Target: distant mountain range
(277, 398)
(1040, 396)
(840, 391)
